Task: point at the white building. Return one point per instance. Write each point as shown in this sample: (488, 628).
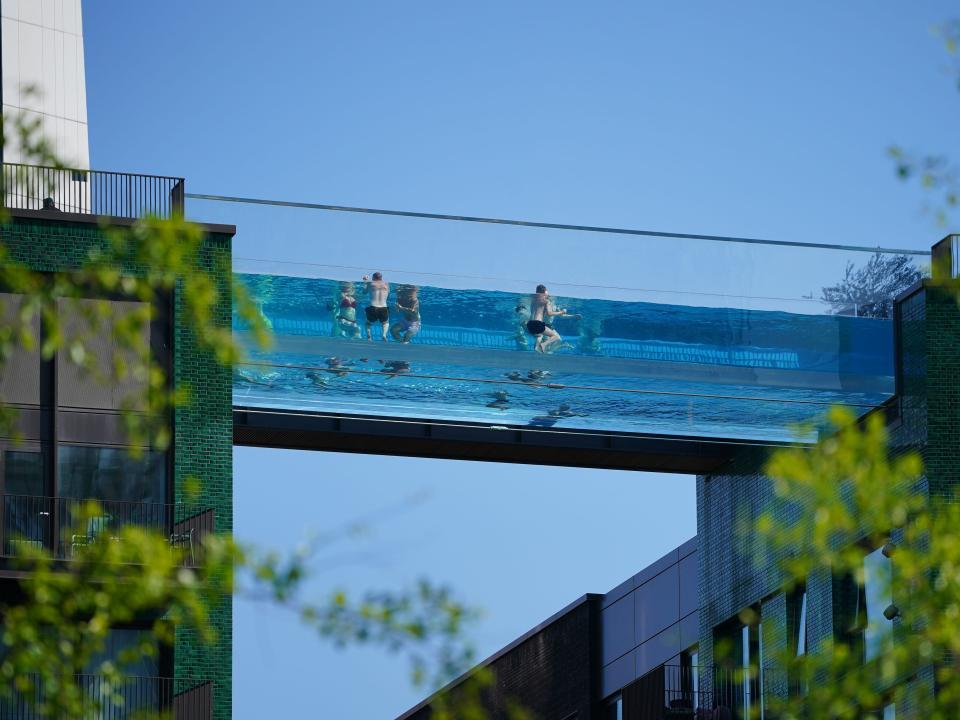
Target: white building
(42, 47)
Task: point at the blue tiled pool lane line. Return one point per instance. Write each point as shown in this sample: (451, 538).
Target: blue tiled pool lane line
(632, 367)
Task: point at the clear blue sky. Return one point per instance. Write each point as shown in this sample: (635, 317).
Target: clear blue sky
(752, 118)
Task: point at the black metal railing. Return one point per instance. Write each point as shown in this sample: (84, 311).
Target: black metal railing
(677, 692)
(64, 527)
(91, 192)
(179, 698)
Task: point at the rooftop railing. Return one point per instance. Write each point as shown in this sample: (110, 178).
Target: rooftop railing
(91, 192)
(179, 698)
(62, 527)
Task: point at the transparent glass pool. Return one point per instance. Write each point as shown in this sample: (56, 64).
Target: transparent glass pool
(693, 368)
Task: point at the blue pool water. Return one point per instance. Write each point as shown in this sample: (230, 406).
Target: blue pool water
(633, 367)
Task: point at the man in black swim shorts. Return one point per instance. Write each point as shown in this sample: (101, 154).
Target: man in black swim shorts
(536, 327)
(377, 314)
(541, 308)
(377, 311)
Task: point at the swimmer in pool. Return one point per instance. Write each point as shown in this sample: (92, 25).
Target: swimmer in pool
(408, 305)
(337, 366)
(257, 377)
(541, 310)
(533, 377)
(319, 381)
(392, 368)
(564, 411)
(377, 311)
(501, 401)
(345, 313)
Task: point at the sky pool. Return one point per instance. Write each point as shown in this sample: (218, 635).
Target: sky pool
(627, 366)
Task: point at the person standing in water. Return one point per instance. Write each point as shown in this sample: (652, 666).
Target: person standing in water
(408, 304)
(541, 309)
(345, 313)
(377, 311)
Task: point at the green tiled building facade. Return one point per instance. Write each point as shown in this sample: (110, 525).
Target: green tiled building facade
(203, 430)
(203, 449)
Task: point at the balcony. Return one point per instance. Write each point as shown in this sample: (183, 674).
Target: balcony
(91, 192)
(181, 699)
(684, 692)
(59, 526)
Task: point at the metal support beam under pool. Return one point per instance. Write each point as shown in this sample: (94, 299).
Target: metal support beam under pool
(281, 429)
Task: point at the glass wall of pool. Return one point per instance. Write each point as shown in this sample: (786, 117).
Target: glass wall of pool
(623, 366)
(661, 335)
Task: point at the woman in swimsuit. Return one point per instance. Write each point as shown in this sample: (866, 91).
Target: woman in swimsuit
(408, 304)
(345, 322)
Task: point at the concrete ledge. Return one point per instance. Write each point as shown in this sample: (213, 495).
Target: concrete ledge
(84, 219)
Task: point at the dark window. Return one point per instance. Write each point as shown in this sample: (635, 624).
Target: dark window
(143, 689)
(123, 640)
(849, 619)
(738, 653)
(613, 710)
(71, 427)
(797, 632)
(859, 607)
(690, 680)
(26, 512)
(112, 474)
(878, 631)
(23, 472)
(801, 625)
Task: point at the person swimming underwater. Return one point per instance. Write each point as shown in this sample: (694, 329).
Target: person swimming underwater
(501, 401)
(533, 377)
(392, 368)
(337, 366)
(319, 380)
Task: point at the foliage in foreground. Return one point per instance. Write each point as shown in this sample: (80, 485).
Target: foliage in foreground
(58, 630)
(846, 497)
